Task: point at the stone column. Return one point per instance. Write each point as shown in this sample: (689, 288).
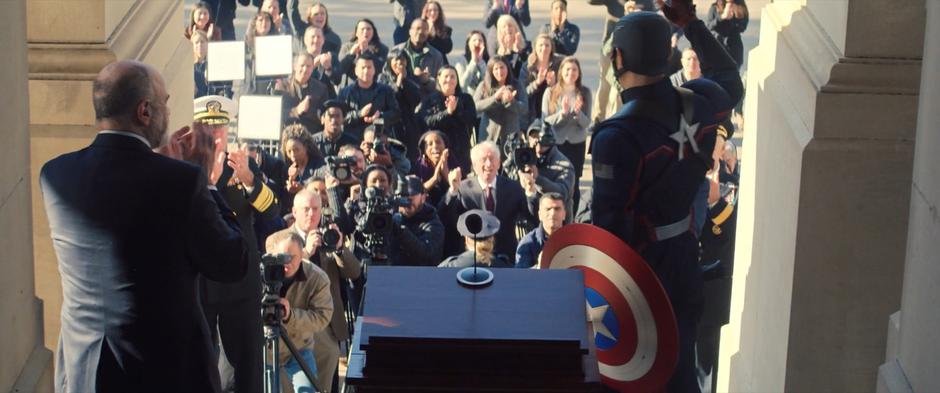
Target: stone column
(830, 115)
(69, 42)
(26, 365)
(913, 344)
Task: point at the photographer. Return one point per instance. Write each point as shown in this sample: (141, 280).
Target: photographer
(418, 238)
(367, 201)
(551, 171)
(379, 149)
(307, 307)
(342, 173)
(339, 264)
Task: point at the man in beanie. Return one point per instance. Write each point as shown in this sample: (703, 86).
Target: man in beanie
(650, 158)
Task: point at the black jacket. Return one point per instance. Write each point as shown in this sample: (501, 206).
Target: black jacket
(132, 230)
(382, 99)
(419, 239)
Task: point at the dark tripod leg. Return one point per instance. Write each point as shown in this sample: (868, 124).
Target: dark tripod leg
(299, 360)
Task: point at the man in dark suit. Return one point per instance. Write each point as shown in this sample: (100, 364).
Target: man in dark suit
(132, 230)
(486, 190)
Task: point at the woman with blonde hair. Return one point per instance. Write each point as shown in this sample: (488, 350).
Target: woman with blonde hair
(512, 45)
(540, 70)
(318, 16)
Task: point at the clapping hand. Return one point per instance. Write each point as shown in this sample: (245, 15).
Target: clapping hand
(550, 78)
(293, 186)
(442, 169)
(238, 161)
(364, 112)
(303, 106)
(454, 178)
(422, 73)
(578, 104)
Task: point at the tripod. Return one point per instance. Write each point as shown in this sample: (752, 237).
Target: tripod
(272, 313)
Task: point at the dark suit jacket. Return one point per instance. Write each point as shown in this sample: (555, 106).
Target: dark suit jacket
(132, 230)
(511, 205)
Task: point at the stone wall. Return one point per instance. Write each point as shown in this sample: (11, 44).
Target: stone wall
(830, 115)
(912, 360)
(26, 364)
(69, 42)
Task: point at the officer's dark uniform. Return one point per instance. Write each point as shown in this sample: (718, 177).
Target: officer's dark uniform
(645, 180)
(235, 308)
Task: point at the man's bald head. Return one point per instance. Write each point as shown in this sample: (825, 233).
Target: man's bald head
(130, 96)
(119, 87)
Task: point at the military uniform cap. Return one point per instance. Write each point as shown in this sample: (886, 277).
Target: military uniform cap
(214, 110)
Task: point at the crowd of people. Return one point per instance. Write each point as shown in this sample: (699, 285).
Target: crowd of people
(387, 144)
(394, 129)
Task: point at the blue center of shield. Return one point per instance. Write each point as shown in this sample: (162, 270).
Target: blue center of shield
(606, 327)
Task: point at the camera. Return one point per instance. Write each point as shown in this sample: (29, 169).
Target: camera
(341, 167)
(272, 271)
(331, 237)
(379, 215)
(272, 276)
(517, 148)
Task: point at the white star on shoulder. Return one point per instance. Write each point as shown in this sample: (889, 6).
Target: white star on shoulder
(597, 315)
(685, 134)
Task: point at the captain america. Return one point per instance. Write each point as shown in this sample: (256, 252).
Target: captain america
(650, 158)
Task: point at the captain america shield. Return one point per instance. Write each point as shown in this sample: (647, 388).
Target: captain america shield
(634, 327)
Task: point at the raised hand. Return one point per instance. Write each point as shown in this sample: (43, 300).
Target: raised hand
(238, 161)
(680, 13)
(303, 106)
(364, 112)
(451, 104)
(454, 178)
(578, 104)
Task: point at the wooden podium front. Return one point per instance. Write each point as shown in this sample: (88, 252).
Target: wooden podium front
(422, 331)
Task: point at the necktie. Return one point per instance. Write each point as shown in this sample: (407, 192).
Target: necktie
(506, 6)
(489, 201)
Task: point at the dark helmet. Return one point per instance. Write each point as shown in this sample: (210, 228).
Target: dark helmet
(645, 42)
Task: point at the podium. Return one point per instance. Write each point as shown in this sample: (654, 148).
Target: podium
(422, 331)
